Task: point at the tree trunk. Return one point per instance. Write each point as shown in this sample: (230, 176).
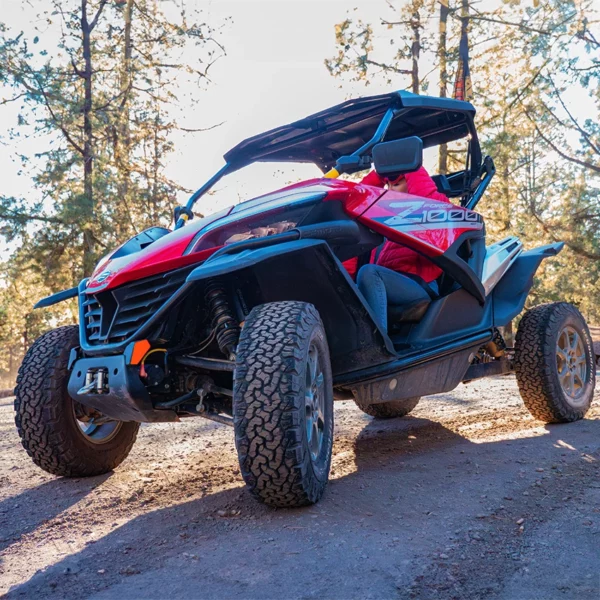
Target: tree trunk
(464, 15)
(89, 247)
(89, 240)
(26, 335)
(156, 164)
(123, 137)
(442, 57)
(464, 29)
(415, 50)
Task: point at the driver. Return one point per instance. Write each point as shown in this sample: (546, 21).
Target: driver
(395, 256)
(378, 277)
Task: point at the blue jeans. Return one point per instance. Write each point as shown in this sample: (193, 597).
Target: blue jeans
(381, 286)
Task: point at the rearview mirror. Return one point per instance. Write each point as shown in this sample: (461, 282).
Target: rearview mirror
(392, 159)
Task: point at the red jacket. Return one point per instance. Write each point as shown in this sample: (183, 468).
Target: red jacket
(395, 256)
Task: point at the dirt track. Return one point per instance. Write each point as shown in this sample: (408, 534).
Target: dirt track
(468, 498)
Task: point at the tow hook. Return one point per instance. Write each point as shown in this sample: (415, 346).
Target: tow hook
(96, 382)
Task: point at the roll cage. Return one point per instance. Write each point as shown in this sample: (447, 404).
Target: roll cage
(339, 140)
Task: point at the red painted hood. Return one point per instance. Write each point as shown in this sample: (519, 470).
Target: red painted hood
(168, 252)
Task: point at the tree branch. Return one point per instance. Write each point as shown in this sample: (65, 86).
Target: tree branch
(13, 99)
(201, 129)
(15, 216)
(388, 67)
(583, 163)
(97, 15)
(583, 132)
(478, 16)
(40, 89)
(76, 69)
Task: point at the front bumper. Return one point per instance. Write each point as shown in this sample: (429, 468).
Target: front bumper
(124, 396)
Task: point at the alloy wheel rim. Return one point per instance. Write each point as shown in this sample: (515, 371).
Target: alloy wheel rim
(314, 400)
(572, 365)
(97, 430)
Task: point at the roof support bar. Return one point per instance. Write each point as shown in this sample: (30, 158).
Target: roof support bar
(183, 215)
(353, 162)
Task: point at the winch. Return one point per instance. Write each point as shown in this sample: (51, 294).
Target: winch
(96, 382)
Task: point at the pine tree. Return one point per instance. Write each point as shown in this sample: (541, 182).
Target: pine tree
(104, 99)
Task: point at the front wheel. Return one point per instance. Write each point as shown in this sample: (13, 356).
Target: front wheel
(554, 363)
(283, 404)
(62, 436)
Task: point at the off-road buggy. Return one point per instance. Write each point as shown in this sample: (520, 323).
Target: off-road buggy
(248, 317)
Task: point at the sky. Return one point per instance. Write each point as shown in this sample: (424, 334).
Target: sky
(274, 73)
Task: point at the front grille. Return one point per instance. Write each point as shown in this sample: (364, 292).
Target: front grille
(93, 318)
(114, 315)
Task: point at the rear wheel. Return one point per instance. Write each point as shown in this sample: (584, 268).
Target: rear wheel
(554, 363)
(389, 410)
(283, 404)
(62, 436)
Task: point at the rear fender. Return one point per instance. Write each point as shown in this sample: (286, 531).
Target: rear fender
(307, 271)
(511, 292)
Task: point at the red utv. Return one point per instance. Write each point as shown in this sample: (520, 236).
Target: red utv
(248, 317)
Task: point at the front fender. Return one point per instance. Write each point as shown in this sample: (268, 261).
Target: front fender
(511, 292)
(307, 271)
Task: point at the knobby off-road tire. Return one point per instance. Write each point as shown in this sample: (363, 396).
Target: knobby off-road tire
(389, 410)
(553, 347)
(283, 399)
(45, 415)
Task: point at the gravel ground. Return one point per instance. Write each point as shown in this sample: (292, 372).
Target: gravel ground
(467, 498)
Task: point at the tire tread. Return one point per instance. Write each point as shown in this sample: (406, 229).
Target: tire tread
(268, 400)
(535, 346)
(40, 404)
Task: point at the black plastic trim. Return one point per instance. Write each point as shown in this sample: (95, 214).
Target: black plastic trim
(458, 269)
(56, 298)
(127, 398)
(119, 347)
(511, 292)
(496, 367)
(412, 360)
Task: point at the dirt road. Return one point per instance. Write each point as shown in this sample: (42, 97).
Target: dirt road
(468, 498)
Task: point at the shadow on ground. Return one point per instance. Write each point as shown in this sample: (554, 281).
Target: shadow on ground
(419, 493)
(40, 505)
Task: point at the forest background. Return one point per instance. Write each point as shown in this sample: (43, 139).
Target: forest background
(111, 111)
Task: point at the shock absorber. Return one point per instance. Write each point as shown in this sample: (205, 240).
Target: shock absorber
(223, 321)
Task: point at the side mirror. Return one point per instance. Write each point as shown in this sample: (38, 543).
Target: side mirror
(392, 159)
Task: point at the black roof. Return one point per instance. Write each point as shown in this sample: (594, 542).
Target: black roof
(325, 136)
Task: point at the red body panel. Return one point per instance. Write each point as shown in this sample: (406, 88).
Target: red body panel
(168, 252)
(428, 226)
(356, 197)
(164, 255)
(425, 225)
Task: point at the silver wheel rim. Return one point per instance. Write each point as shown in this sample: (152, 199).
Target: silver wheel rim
(314, 400)
(572, 366)
(97, 430)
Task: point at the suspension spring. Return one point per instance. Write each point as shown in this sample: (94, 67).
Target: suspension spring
(223, 322)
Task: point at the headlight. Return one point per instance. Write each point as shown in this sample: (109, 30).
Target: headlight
(257, 218)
